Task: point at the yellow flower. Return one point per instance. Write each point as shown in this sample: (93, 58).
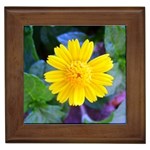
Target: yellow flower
(75, 77)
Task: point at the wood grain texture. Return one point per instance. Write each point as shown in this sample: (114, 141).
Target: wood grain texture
(132, 132)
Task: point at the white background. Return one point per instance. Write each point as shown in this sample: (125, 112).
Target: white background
(68, 3)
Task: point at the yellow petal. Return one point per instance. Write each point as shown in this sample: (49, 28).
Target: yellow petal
(85, 44)
(71, 96)
(86, 51)
(64, 94)
(54, 76)
(77, 44)
(98, 60)
(74, 48)
(63, 53)
(100, 90)
(90, 93)
(103, 75)
(103, 89)
(102, 79)
(102, 82)
(57, 62)
(57, 86)
(103, 68)
(101, 64)
(77, 97)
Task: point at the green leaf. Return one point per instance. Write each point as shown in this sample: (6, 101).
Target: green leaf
(49, 39)
(30, 54)
(122, 65)
(39, 68)
(27, 101)
(99, 35)
(115, 40)
(45, 38)
(64, 38)
(49, 114)
(98, 104)
(57, 30)
(118, 82)
(120, 114)
(36, 93)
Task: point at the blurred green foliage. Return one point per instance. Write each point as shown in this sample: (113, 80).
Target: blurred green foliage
(120, 114)
(36, 94)
(47, 114)
(115, 43)
(39, 68)
(98, 104)
(118, 84)
(30, 54)
(40, 105)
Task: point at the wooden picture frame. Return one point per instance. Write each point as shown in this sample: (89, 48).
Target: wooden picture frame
(131, 132)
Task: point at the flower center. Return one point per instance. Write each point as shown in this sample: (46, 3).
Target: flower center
(78, 73)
